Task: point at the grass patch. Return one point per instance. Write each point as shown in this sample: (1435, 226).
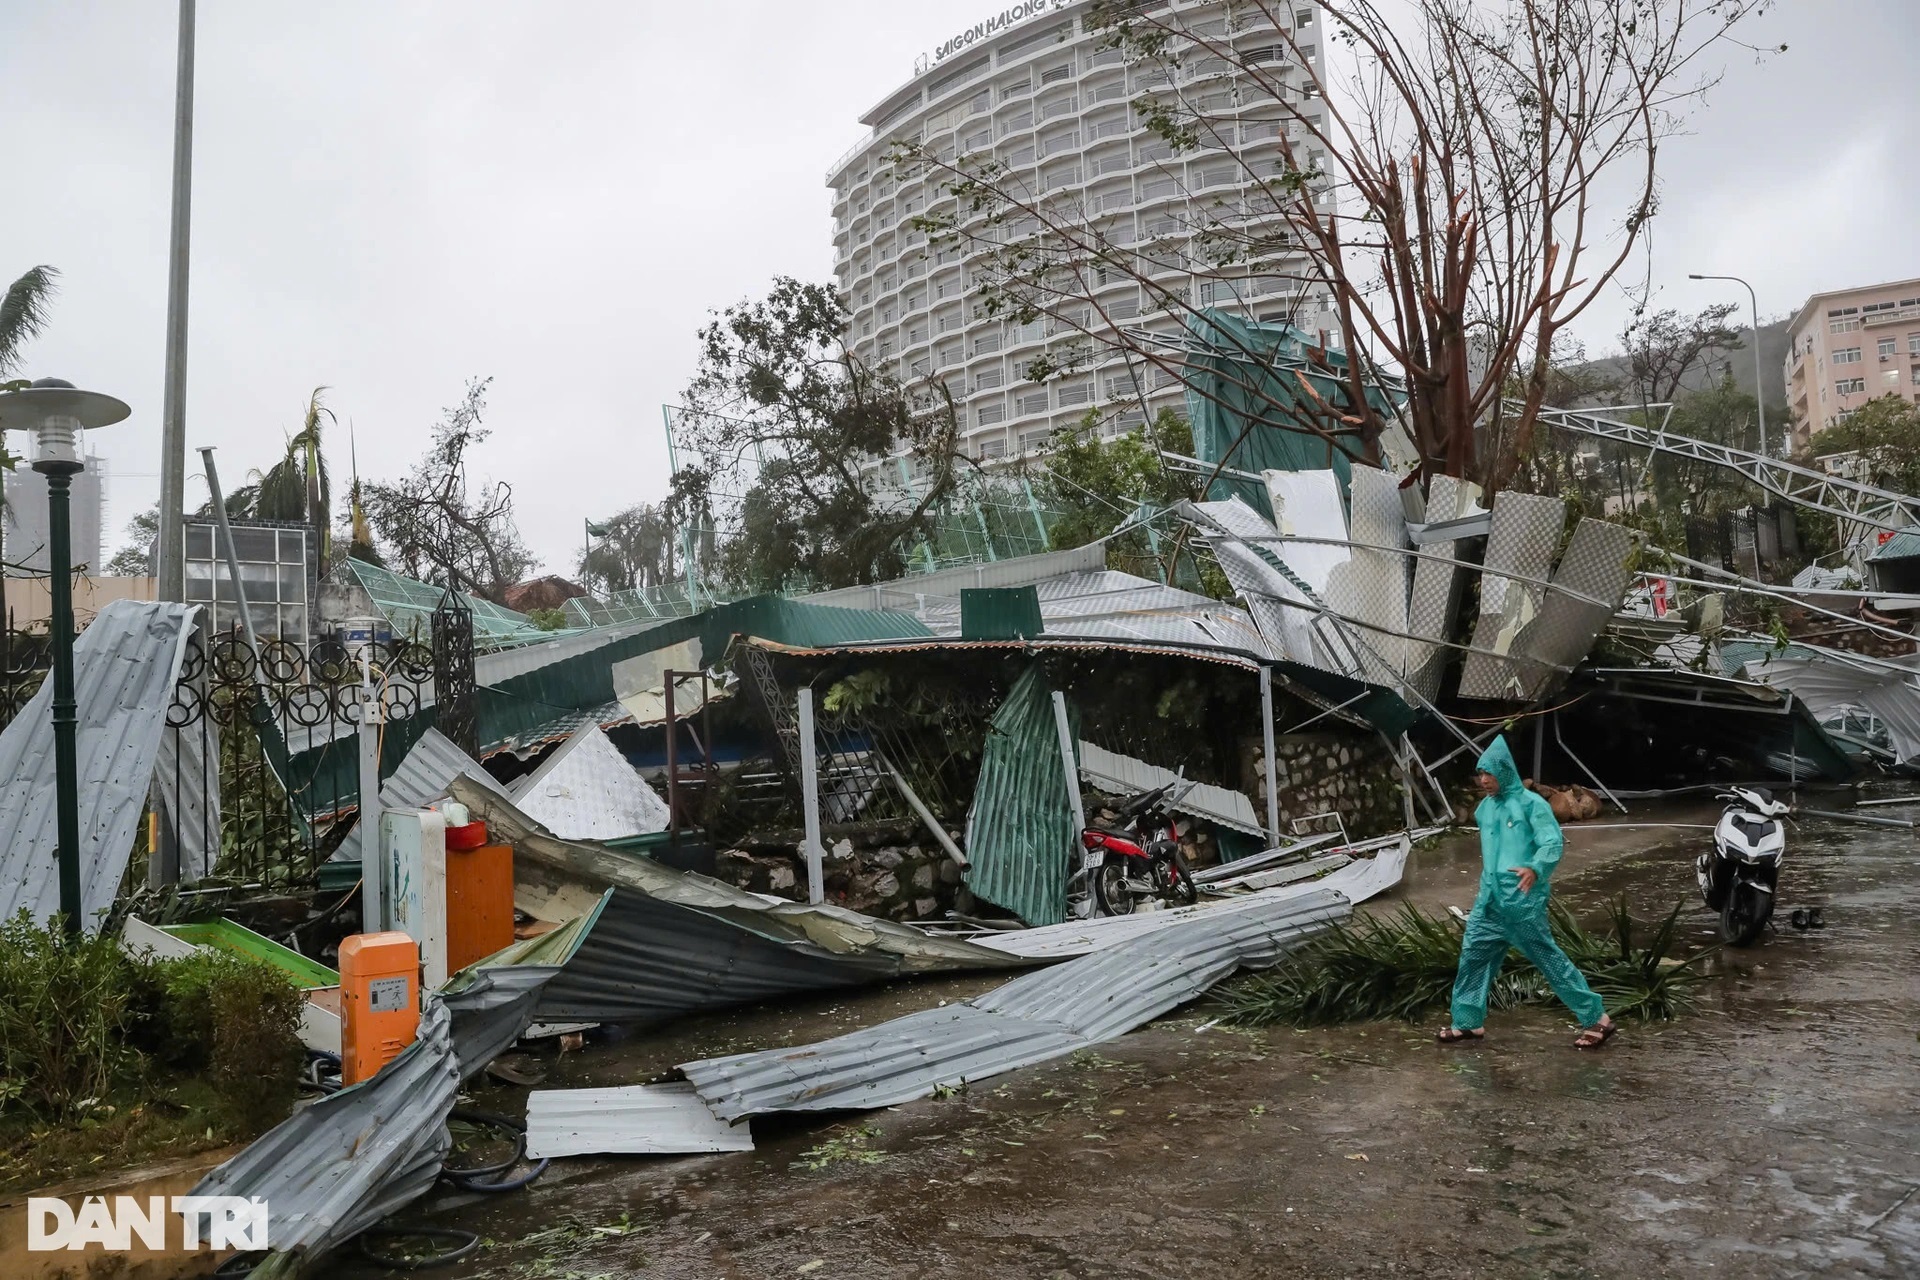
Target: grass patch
(1401, 966)
(108, 1060)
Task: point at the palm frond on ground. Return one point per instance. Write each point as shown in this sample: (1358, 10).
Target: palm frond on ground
(1401, 966)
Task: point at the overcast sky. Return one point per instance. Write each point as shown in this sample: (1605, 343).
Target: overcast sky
(390, 198)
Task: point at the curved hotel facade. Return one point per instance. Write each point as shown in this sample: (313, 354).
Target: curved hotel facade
(1032, 86)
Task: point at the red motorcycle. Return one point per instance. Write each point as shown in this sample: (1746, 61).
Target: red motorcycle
(1138, 856)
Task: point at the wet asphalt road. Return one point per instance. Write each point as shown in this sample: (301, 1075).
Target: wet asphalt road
(1772, 1132)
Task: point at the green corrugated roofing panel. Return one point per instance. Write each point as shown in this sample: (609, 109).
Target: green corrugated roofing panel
(1020, 830)
(1238, 383)
(1901, 546)
(1380, 707)
(1000, 613)
(799, 625)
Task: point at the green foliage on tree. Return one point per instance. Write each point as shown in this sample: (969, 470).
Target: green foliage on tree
(631, 550)
(1094, 485)
(1885, 432)
(780, 419)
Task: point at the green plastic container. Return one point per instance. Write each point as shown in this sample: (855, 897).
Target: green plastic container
(228, 936)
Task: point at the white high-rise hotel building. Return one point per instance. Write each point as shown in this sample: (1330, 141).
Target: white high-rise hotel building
(1032, 85)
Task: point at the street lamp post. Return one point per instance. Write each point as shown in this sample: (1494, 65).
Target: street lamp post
(56, 412)
(1759, 391)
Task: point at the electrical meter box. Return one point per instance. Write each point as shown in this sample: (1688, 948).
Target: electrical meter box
(379, 1001)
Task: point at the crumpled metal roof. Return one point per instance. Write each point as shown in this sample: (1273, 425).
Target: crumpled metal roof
(1116, 774)
(124, 668)
(1031, 1019)
(902, 595)
(1830, 681)
(422, 778)
(657, 942)
(586, 790)
(334, 1168)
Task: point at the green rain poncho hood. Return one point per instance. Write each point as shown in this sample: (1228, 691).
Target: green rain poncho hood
(1517, 829)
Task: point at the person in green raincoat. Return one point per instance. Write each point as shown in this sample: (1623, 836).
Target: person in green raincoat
(1520, 844)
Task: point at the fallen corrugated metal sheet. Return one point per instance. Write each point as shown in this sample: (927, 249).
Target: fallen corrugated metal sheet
(1115, 774)
(337, 1167)
(1031, 1019)
(1358, 881)
(422, 778)
(1291, 873)
(125, 666)
(186, 776)
(1020, 824)
(657, 942)
(586, 790)
(641, 1119)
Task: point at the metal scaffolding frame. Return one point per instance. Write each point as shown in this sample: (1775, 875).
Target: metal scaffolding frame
(1849, 501)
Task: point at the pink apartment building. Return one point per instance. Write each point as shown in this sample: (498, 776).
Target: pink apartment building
(1848, 347)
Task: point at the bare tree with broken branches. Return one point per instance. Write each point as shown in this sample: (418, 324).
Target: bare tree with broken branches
(1473, 177)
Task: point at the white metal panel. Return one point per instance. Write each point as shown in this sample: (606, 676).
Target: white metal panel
(415, 841)
(1371, 586)
(640, 1119)
(586, 790)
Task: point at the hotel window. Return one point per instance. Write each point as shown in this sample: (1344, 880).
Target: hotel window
(1913, 344)
(989, 414)
(1033, 402)
(1887, 347)
(986, 342)
(1891, 377)
(987, 379)
(1849, 386)
(1843, 326)
(1075, 393)
(993, 449)
(1847, 355)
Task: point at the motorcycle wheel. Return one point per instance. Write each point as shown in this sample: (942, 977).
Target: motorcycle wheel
(1741, 919)
(1175, 881)
(1110, 888)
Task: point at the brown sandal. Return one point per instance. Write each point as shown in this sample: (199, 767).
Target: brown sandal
(1454, 1035)
(1605, 1030)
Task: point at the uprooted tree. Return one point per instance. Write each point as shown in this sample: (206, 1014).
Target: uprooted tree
(437, 525)
(778, 423)
(1475, 175)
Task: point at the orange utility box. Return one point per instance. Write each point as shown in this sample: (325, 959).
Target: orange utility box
(479, 896)
(379, 1001)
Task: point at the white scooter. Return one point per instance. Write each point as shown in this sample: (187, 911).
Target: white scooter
(1737, 876)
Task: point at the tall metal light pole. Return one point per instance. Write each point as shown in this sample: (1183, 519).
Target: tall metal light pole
(173, 405)
(55, 411)
(1759, 390)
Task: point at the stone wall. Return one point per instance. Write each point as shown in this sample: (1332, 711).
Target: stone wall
(1349, 773)
(877, 876)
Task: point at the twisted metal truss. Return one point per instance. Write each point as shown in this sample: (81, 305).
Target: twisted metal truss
(1858, 507)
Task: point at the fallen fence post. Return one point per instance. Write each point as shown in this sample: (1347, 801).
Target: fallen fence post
(1271, 767)
(810, 797)
(1072, 770)
(912, 797)
(1591, 775)
(1904, 823)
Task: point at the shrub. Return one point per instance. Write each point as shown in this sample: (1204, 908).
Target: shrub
(80, 1019)
(237, 1022)
(64, 1004)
